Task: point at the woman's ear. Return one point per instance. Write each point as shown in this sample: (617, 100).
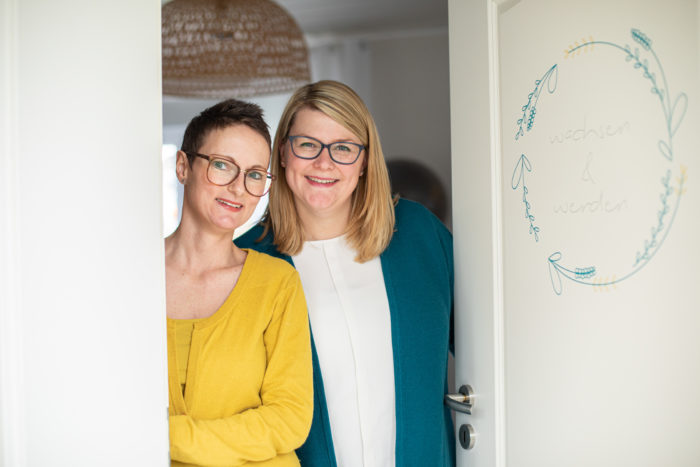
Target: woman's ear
(364, 166)
(283, 159)
(182, 167)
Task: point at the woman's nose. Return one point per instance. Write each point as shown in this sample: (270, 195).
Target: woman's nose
(324, 159)
(238, 184)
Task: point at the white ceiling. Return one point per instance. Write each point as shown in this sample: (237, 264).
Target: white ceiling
(348, 16)
(360, 16)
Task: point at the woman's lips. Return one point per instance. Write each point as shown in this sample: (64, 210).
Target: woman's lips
(321, 181)
(229, 204)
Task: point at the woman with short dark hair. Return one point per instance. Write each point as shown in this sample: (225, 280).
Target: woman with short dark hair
(239, 362)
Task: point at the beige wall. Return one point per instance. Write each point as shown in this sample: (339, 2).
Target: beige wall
(410, 99)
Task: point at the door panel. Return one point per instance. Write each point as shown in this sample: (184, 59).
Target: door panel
(575, 182)
(83, 375)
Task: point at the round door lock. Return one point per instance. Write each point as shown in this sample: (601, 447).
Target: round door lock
(467, 437)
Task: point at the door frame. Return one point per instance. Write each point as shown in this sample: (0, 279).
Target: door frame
(478, 202)
(11, 430)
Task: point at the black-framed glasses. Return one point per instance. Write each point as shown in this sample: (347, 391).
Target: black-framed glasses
(223, 171)
(342, 152)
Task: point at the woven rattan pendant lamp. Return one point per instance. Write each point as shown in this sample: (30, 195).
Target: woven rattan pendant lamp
(231, 48)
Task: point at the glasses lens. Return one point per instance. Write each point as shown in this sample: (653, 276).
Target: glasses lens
(257, 182)
(222, 172)
(305, 147)
(345, 153)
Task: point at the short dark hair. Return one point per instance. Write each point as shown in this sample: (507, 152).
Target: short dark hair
(223, 115)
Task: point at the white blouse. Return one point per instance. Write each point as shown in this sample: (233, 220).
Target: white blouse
(351, 326)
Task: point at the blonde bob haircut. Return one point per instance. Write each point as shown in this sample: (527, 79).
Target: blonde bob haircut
(371, 222)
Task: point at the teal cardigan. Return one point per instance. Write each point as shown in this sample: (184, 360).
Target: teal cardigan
(419, 280)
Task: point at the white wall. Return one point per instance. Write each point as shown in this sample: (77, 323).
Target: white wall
(82, 323)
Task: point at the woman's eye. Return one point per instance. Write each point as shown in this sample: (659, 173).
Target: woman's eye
(342, 147)
(255, 175)
(308, 144)
(218, 164)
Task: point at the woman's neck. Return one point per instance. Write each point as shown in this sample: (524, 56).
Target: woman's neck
(199, 251)
(322, 226)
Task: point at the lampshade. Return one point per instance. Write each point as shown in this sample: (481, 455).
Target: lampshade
(231, 48)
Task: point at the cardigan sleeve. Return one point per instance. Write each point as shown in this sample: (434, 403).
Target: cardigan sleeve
(447, 248)
(281, 423)
(445, 242)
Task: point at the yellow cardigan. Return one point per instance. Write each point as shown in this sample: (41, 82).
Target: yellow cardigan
(249, 395)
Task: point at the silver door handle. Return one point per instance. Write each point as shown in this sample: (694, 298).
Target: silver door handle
(462, 401)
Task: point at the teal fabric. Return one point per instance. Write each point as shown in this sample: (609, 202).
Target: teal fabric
(419, 280)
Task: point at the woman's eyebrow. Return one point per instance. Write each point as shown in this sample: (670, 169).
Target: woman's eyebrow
(223, 156)
(342, 140)
(231, 159)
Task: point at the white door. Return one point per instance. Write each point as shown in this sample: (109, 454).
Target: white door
(83, 377)
(575, 154)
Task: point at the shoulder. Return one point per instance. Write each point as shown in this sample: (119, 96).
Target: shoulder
(413, 219)
(254, 240)
(410, 208)
(420, 239)
(273, 288)
(265, 261)
(270, 272)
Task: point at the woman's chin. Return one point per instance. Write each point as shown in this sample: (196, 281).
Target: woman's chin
(320, 204)
(227, 224)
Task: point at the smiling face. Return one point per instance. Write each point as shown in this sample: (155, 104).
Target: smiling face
(222, 207)
(322, 188)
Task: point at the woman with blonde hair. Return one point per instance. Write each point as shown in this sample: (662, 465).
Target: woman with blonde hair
(239, 354)
(378, 280)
